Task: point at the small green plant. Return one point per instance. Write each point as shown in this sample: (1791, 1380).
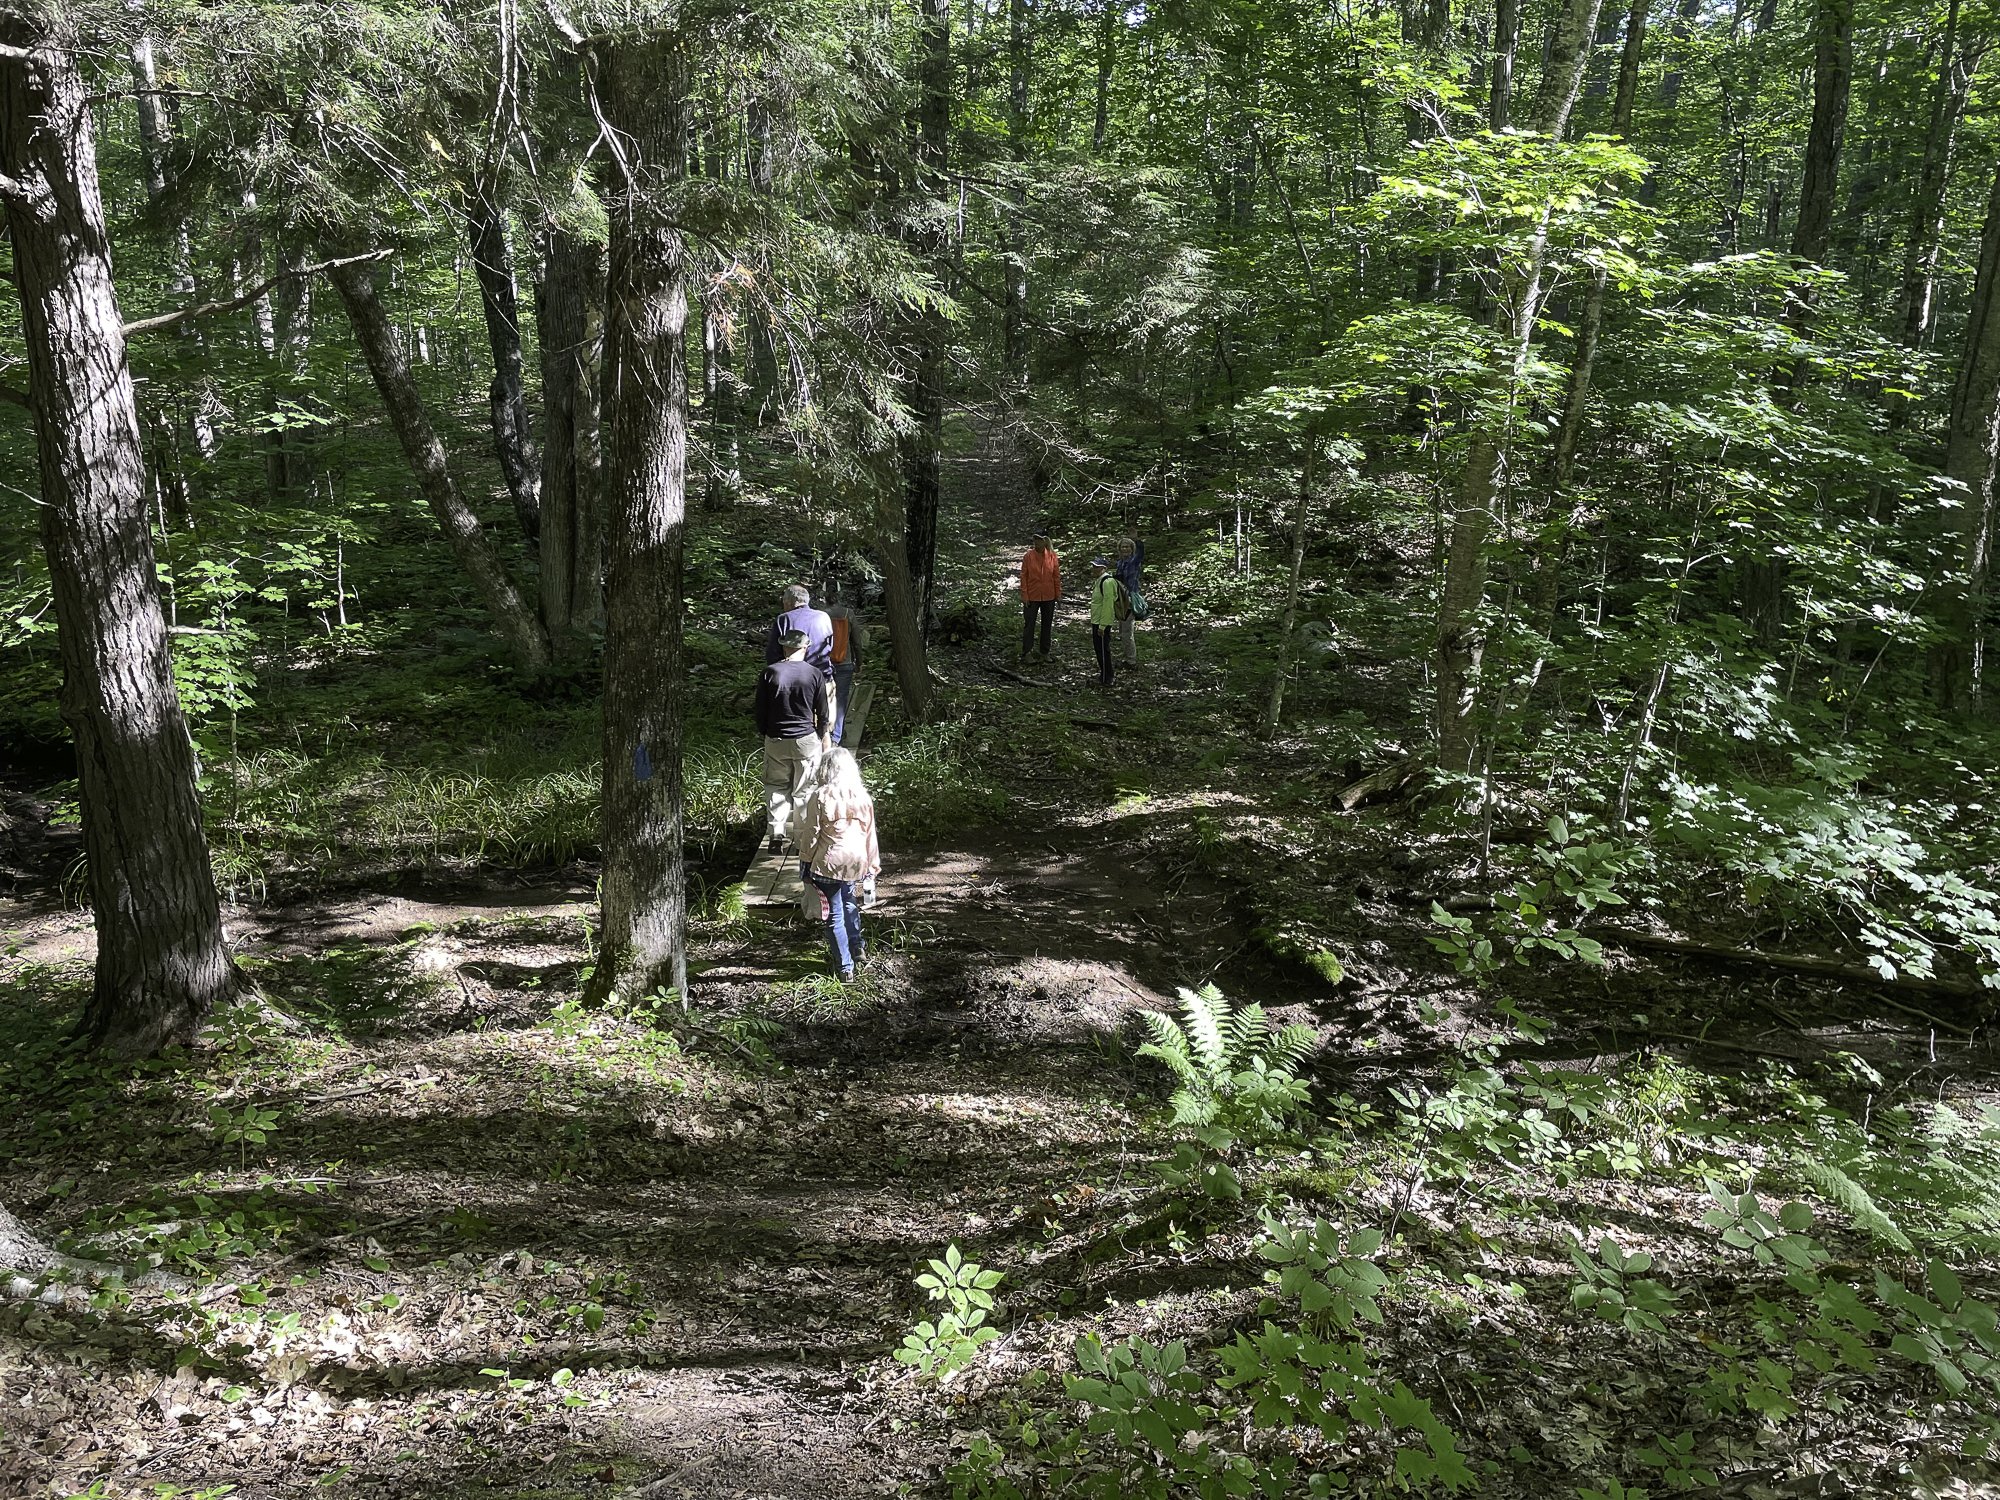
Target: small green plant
(1614, 1286)
(1572, 880)
(938, 1349)
(1234, 1081)
(250, 1126)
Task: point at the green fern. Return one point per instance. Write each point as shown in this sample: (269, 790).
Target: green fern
(1837, 1187)
(1230, 1068)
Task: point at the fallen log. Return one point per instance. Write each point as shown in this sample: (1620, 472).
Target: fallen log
(1820, 968)
(1387, 782)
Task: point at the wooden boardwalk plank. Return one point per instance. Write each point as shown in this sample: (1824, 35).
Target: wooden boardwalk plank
(857, 715)
(773, 879)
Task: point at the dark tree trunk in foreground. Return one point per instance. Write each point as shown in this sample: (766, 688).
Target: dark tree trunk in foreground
(1833, 69)
(499, 300)
(425, 452)
(569, 324)
(924, 447)
(162, 962)
(644, 938)
(1973, 449)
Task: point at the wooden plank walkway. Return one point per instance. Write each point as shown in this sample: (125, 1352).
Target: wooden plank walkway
(857, 716)
(773, 878)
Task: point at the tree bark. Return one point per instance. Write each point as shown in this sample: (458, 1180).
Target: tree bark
(923, 449)
(1276, 703)
(1569, 57)
(643, 943)
(1917, 302)
(499, 301)
(1014, 311)
(1972, 447)
(758, 127)
(1110, 21)
(1833, 70)
(569, 327)
(1576, 397)
(355, 282)
(1506, 42)
(162, 961)
(1629, 60)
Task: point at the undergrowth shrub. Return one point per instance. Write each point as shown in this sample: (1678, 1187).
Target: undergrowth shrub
(932, 781)
(1235, 1082)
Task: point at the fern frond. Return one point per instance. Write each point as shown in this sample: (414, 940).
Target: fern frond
(1289, 1047)
(1837, 1187)
(1205, 1009)
(1167, 1034)
(1248, 1028)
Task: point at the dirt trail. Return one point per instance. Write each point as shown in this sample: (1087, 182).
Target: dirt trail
(751, 1240)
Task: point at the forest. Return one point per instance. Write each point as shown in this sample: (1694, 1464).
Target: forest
(1369, 867)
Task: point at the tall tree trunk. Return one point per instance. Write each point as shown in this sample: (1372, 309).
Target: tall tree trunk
(1274, 706)
(1833, 70)
(1506, 42)
(1014, 312)
(569, 327)
(1110, 21)
(162, 961)
(1462, 593)
(762, 163)
(1916, 304)
(906, 632)
(720, 387)
(197, 433)
(1972, 445)
(499, 301)
(924, 447)
(1629, 61)
(644, 887)
(1577, 396)
(355, 282)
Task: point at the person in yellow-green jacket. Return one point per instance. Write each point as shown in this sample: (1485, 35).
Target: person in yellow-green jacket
(1108, 605)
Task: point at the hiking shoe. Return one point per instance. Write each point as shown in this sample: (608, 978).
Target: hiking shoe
(847, 976)
(777, 842)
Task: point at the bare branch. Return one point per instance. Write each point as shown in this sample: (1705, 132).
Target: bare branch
(205, 309)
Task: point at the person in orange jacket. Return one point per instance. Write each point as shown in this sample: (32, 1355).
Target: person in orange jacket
(1041, 586)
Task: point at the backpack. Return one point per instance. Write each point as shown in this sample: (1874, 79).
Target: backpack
(840, 633)
(1121, 609)
(1136, 604)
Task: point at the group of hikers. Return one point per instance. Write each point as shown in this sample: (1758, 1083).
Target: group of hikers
(818, 805)
(1116, 602)
(816, 800)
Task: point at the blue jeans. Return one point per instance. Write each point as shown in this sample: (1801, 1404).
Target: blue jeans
(843, 691)
(844, 942)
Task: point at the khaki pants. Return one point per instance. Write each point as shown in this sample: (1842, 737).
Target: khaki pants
(788, 771)
(1131, 644)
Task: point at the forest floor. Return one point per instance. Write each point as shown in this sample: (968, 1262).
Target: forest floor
(456, 1235)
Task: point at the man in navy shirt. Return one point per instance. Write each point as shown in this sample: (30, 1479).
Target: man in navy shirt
(814, 624)
(793, 718)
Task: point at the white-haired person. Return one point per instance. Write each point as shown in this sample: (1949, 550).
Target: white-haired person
(817, 627)
(839, 852)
